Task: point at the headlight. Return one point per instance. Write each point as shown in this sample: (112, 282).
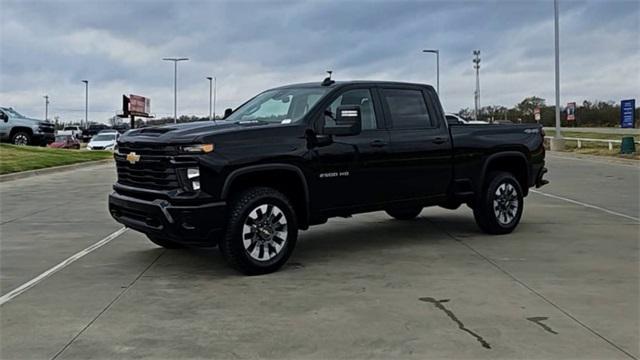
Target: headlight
(197, 148)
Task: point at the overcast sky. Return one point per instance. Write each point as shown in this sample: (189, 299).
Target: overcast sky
(48, 47)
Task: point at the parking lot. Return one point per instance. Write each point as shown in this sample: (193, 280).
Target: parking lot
(565, 284)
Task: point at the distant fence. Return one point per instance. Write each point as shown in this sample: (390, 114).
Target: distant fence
(610, 142)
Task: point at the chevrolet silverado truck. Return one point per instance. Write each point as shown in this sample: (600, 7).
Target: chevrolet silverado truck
(297, 155)
(21, 130)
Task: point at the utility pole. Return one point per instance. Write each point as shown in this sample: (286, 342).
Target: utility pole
(86, 103)
(557, 142)
(175, 85)
(46, 107)
(215, 86)
(437, 52)
(476, 65)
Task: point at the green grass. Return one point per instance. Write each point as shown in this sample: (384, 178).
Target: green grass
(23, 158)
(589, 135)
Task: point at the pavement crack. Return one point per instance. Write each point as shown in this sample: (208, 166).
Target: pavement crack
(533, 291)
(539, 320)
(454, 318)
(109, 305)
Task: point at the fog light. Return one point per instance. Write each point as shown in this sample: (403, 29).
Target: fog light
(193, 173)
(195, 185)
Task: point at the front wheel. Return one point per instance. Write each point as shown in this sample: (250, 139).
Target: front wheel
(500, 207)
(261, 231)
(21, 138)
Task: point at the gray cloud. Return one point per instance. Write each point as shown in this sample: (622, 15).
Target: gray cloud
(48, 47)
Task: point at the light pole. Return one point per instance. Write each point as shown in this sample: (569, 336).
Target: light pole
(215, 86)
(557, 142)
(175, 85)
(476, 65)
(86, 103)
(211, 80)
(46, 107)
(437, 52)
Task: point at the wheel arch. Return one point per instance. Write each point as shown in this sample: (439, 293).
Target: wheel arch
(286, 178)
(514, 162)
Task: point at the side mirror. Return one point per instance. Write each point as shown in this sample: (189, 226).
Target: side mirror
(227, 112)
(348, 121)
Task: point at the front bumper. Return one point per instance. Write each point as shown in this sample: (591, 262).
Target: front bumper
(190, 225)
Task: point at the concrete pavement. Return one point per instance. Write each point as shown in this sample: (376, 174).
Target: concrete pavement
(564, 285)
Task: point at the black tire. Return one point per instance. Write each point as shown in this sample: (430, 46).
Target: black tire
(21, 138)
(404, 213)
(262, 224)
(503, 216)
(165, 243)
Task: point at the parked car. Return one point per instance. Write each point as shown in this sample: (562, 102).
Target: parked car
(123, 127)
(73, 130)
(106, 141)
(297, 155)
(455, 119)
(65, 142)
(21, 130)
(93, 130)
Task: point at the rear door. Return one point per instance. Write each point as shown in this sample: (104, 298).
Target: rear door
(420, 142)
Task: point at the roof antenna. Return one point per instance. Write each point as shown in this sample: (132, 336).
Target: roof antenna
(327, 81)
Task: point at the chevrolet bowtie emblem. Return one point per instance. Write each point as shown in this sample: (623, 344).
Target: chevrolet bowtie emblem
(133, 158)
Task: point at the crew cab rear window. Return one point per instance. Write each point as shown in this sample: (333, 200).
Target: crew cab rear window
(407, 108)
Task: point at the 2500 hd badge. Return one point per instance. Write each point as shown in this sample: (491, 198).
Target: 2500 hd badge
(250, 183)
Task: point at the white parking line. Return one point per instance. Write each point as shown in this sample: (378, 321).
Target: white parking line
(587, 205)
(26, 286)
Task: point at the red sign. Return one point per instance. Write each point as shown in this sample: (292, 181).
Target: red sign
(139, 105)
(571, 111)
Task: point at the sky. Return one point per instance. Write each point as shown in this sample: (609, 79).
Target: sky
(49, 47)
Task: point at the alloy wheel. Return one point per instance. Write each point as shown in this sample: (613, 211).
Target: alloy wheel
(505, 203)
(264, 232)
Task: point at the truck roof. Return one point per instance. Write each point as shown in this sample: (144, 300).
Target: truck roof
(350, 82)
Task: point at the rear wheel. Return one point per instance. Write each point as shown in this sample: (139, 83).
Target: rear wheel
(165, 243)
(404, 213)
(21, 138)
(261, 231)
(500, 207)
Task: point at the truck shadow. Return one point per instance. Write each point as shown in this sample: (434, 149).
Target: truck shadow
(342, 239)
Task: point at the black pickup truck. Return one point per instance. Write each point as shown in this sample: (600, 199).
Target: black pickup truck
(294, 156)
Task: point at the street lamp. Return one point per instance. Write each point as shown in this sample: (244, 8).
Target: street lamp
(175, 85)
(212, 86)
(437, 52)
(557, 142)
(86, 103)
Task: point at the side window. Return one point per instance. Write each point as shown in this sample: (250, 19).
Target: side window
(360, 97)
(408, 108)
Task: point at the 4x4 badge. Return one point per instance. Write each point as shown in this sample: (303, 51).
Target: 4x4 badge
(133, 158)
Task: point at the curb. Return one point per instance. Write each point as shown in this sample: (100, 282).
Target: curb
(52, 170)
(598, 158)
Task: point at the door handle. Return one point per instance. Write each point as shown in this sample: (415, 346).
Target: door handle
(439, 140)
(378, 143)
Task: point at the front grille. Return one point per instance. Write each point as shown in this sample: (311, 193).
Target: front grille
(153, 170)
(98, 148)
(47, 129)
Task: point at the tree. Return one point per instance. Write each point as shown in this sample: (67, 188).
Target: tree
(527, 106)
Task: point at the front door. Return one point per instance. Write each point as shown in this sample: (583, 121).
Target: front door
(350, 169)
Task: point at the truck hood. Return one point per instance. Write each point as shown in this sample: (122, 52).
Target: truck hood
(187, 132)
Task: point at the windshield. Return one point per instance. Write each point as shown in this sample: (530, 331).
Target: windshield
(104, 137)
(62, 138)
(13, 112)
(283, 106)
(66, 128)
